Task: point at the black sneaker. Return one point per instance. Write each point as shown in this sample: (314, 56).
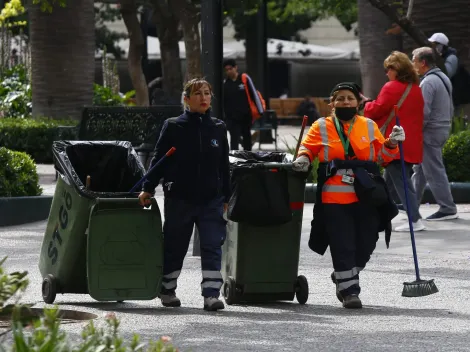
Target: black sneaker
(439, 216)
(352, 301)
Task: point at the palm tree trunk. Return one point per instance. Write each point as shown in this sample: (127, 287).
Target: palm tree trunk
(375, 46)
(62, 54)
(136, 46)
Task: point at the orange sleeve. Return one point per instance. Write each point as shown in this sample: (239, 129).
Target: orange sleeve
(312, 142)
(383, 154)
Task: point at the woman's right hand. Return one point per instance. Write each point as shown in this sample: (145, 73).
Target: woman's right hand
(144, 199)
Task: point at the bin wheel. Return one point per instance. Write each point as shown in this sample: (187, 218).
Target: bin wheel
(301, 289)
(230, 291)
(49, 289)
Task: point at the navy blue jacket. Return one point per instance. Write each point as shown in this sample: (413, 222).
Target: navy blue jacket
(198, 171)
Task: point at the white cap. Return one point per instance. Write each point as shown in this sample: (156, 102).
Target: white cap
(440, 38)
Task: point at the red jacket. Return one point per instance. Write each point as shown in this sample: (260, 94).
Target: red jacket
(411, 114)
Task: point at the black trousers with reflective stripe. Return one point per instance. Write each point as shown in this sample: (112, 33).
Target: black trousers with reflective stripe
(352, 231)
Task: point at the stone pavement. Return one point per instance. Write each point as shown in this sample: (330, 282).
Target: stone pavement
(388, 322)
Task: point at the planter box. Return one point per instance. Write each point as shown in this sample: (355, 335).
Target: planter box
(460, 192)
(22, 210)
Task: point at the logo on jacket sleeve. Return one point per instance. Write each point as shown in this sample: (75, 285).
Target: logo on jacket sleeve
(214, 143)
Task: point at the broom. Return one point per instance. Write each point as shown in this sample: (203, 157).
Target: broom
(304, 123)
(157, 164)
(419, 287)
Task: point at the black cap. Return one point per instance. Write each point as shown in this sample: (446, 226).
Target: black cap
(351, 86)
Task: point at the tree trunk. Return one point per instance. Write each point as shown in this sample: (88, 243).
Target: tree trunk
(189, 17)
(62, 52)
(375, 46)
(136, 47)
(167, 28)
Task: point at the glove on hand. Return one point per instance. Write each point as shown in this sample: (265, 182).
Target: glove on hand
(301, 164)
(397, 135)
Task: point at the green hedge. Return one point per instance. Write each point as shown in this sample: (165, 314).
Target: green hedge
(32, 136)
(18, 174)
(456, 155)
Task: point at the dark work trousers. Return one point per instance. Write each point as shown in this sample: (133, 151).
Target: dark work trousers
(237, 129)
(180, 218)
(352, 231)
(394, 179)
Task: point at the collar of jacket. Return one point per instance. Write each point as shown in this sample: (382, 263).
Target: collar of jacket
(197, 117)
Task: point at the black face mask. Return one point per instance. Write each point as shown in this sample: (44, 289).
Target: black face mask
(345, 113)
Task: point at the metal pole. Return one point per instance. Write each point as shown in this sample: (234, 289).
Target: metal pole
(212, 50)
(262, 52)
(212, 59)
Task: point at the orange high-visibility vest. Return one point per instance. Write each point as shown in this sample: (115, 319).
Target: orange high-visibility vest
(323, 141)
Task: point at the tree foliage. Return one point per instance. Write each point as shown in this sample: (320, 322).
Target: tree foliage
(287, 17)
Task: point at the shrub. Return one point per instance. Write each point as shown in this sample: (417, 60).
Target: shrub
(18, 175)
(15, 93)
(32, 136)
(45, 334)
(456, 155)
(104, 96)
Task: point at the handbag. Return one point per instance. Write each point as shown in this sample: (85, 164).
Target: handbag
(392, 113)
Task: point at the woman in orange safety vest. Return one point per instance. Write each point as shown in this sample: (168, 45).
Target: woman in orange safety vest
(350, 225)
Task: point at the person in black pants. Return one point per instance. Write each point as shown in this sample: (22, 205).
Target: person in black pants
(237, 105)
(197, 190)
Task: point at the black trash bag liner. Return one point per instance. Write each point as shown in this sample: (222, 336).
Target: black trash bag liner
(114, 167)
(260, 195)
(260, 156)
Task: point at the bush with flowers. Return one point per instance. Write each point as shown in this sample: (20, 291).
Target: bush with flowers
(44, 334)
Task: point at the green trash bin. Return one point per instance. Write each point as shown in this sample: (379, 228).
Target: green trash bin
(99, 240)
(260, 260)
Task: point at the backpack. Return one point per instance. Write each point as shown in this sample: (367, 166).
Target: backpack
(461, 86)
(255, 111)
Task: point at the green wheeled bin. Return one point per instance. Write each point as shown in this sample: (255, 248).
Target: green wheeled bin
(99, 240)
(260, 256)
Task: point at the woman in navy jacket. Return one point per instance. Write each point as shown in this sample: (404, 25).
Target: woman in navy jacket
(197, 190)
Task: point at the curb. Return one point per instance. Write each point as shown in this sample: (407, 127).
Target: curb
(460, 193)
(22, 210)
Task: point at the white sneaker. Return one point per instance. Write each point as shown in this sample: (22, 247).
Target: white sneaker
(213, 304)
(417, 226)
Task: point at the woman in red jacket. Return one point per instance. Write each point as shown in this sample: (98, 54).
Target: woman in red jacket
(402, 90)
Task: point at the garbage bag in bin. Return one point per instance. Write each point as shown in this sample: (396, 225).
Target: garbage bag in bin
(114, 167)
(260, 194)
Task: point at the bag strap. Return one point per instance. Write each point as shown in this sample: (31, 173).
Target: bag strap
(444, 83)
(392, 113)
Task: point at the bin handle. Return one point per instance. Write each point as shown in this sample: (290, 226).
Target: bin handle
(123, 202)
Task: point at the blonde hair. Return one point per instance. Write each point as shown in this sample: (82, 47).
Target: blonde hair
(401, 63)
(192, 86)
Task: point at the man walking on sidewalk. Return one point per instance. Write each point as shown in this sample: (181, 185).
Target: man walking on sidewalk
(242, 105)
(438, 112)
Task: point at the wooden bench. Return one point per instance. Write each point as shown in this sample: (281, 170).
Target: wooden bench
(287, 108)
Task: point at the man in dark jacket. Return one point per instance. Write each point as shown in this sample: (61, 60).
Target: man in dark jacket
(237, 106)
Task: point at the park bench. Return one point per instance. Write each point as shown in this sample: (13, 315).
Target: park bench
(286, 109)
(139, 125)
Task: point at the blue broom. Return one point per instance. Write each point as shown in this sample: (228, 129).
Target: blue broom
(419, 287)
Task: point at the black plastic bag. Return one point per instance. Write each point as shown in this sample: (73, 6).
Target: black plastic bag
(260, 194)
(114, 167)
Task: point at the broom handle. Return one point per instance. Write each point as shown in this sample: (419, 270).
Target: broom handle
(157, 164)
(410, 222)
(304, 123)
